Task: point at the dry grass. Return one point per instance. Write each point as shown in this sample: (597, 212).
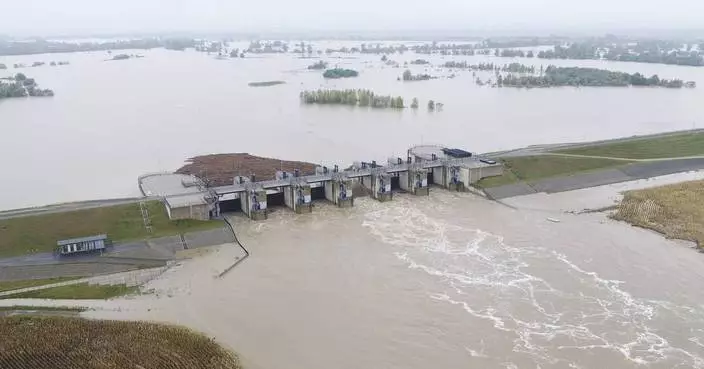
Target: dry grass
(677, 210)
(59, 342)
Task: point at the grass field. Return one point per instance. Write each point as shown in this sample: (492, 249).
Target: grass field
(60, 342)
(677, 210)
(669, 146)
(534, 168)
(32, 234)
(13, 285)
(81, 291)
(47, 309)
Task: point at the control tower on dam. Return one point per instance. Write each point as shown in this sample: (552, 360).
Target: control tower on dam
(424, 166)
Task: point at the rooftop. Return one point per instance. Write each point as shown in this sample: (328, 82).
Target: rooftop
(170, 184)
(181, 201)
(82, 239)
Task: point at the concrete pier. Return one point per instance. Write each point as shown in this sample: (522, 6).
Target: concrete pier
(453, 169)
(380, 186)
(339, 192)
(253, 203)
(297, 197)
(415, 181)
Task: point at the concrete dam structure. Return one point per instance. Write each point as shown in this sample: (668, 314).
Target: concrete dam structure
(187, 197)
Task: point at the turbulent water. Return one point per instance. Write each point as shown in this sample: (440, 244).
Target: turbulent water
(112, 121)
(445, 281)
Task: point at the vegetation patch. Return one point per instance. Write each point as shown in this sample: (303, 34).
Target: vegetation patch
(676, 210)
(41, 308)
(61, 342)
(80, 291)
(15, 285)
(39, 233)
(318, 66)
(266, 83)
(351, 97)
(340, 73)
(21, 86)
(666, 146)
(534, 168)
(589, 77)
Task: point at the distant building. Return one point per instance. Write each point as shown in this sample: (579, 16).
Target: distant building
(82, 245)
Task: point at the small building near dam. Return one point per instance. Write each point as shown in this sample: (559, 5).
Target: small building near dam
(189, 206)
(82, 245)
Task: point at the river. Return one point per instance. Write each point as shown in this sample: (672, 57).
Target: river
(445, 281)
(112, 121)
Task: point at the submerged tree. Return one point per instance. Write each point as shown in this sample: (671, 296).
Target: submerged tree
(414, 103)
(431, 105)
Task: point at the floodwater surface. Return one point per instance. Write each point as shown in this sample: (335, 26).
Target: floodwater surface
(112, 121)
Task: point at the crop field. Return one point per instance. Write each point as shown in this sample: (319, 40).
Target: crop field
(61, 342)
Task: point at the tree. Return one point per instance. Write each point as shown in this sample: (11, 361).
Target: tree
(530, 54)
(414, 103)
(407, 76)
(383, 58)
(497, 52)
(309, 48)
(431, 105)
(20, 77)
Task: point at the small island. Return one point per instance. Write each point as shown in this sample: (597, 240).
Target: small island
(363, 98)
(587, 77)
(340, 73)
(408, 76)
(265, 83)
(318, 66)
(21, 86)
(124, 57)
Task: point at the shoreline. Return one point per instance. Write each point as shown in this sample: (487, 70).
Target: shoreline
(223, 167)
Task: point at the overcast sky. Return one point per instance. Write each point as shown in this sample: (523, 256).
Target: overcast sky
(47, 17)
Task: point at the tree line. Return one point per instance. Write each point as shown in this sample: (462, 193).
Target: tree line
(574, 76)
(21, 86)
(639, 52)
(364, 98)
(340, 73)
(513, 67)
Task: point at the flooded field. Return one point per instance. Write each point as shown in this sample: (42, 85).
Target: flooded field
(112, 121)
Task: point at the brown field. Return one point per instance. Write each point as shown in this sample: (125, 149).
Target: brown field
(60, 342)
(220, 169)
(677, 210)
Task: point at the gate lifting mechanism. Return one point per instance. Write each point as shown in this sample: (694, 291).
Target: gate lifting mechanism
(454, 175)
(343, 192)
(256, 206)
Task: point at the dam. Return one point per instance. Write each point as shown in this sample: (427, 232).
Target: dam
(189, 197)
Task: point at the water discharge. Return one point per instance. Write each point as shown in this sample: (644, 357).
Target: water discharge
(450, 281)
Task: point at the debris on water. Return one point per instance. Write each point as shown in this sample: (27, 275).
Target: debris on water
(554, 220)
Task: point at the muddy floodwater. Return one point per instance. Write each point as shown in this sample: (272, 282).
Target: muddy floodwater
(112, 121)
(445, 281)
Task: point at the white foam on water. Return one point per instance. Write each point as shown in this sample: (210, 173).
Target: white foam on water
(490, 280)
